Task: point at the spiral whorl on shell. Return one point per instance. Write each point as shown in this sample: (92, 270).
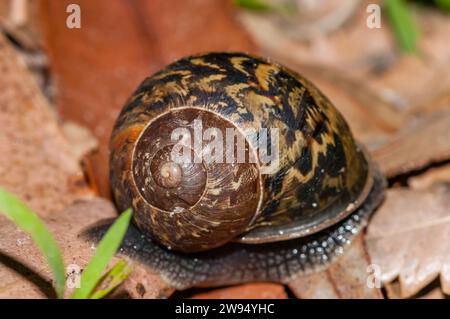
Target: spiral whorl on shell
(321, 176)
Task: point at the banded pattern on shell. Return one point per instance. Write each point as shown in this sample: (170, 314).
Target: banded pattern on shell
(321, 176)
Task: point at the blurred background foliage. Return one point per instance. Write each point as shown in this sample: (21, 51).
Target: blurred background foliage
(401, 19)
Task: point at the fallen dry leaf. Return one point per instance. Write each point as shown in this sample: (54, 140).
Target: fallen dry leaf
(432, 291)
(440, 103)
(30, 137)
(246, 291)
(432, 176)
(408, 238)
(81, 140)
(420, 144)
(435, 293)
(345, 278)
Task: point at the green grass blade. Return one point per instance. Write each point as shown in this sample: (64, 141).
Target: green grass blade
(112, 279)
(403, 24)
(255, 5)
(109, 244)
(28, 221)
(443, 4)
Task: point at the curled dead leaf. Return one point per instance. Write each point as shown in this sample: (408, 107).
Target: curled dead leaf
(408, 238)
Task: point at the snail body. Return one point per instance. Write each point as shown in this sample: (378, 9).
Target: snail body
(321, 177)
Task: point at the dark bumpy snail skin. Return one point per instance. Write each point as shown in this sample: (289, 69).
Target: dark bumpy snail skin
(238, 263)
(322, 175)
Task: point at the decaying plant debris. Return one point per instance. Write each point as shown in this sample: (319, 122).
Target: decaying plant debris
(408, 238)
(397, 105)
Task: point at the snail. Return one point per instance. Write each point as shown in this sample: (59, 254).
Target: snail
(203, 222)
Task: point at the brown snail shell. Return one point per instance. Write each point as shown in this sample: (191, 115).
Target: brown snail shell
(322, 175)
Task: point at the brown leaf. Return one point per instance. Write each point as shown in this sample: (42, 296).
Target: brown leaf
(345, 278)
(408, 238)
(415, 147)
(432, 291)
(29, 138)
(435, 293)
(440, 103)
(81, 140)
(432, 176)
(246, 291)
